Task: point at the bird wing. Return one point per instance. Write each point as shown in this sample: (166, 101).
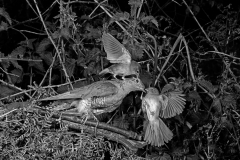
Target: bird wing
(116, 52)
(99, 89)
(173, 104)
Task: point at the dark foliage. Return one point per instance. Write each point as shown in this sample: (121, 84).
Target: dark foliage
(55, 46)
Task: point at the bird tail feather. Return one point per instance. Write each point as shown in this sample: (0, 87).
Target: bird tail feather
(105, 71)
(157, 133)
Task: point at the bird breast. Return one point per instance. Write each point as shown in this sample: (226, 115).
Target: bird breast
(153, 104)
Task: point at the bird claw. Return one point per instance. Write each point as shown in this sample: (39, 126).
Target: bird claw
(95, 118)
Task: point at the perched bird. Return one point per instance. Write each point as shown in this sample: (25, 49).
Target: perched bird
(99, 97)
(120, 56)
(165, 105)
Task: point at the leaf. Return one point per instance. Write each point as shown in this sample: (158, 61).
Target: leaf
(64, 32)
(193, 95)
(7, 91)
(165, 156)
(38, 65)
(217, 105)
(85, 17)
(136, 51)
(47, 57)
(27, 43)
(5, 63)
(229, 101)
(70, 66)
(207, 85)
(146, 78)
(18, 77)
(196, 9)
(148, 19)
(94, 33)
(120, 16)
(55, 35)
(43, 45)
(167, 88)
(17, 53)
(225, 123)
(136, 3)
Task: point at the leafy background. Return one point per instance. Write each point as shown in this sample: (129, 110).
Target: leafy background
(54, 46)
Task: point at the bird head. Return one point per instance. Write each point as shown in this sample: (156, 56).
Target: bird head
(152, 91)
(135, 68)
(133, 84)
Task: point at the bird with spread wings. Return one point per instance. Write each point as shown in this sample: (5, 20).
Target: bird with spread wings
(120, 56)
(165, 105)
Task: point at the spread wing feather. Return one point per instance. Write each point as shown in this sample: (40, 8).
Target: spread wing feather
(116, 52)
(175, 104)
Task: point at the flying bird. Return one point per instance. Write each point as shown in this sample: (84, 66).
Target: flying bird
(165, 105)
(120, 56)
(99, 97)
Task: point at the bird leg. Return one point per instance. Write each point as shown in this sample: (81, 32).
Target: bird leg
(115, 76)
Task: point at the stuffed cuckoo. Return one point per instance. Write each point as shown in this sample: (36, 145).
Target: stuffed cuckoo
(120, 56)
(165, 105)
(99, 97)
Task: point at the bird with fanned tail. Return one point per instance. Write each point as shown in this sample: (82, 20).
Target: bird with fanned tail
(165, 105)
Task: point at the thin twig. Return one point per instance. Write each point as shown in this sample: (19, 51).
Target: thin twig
(8, 73)
(17, 88)
(155, 56)
(170, 54)
(57, 51)
(189, 59)
(30, 90)
(18, 59)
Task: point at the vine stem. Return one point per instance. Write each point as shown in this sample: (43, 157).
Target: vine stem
(170, 54)
(205, 34)
(13, 86)
(155, 58)
(189, 59)
(30, 90)
(57, 51)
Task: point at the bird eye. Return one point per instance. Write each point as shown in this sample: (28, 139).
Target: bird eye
(136, 80)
